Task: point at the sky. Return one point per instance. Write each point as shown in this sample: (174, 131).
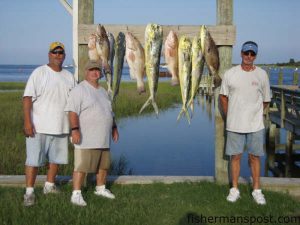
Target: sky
(28, 27)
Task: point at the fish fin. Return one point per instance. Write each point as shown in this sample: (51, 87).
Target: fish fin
(155, 107)
(145, 105)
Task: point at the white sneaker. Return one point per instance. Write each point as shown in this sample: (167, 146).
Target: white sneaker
(77, 199)
(50, 190)
(29, 200)
(259, 197)
(105, 193)
(234, 195)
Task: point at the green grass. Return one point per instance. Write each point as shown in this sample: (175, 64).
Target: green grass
(12, 140)
(143, 204)
(12, 85)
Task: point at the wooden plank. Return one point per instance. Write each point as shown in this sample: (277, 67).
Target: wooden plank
(222, 34)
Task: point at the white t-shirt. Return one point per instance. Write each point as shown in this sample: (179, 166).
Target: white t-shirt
(93, 107)
(246, 92)
(49, 91)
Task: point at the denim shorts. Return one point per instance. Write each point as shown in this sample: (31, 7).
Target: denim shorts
(253, 143)
(54, 148)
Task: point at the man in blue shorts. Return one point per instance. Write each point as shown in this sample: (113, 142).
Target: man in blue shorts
(46, 124)
(245, 92)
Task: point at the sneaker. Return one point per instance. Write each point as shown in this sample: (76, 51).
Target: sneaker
(234, 195)
(77, 199)
(29, 200)
(259, 197)
(105, 193)
(51, 190)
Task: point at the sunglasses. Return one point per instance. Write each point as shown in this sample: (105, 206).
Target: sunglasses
(249, 53)
(60, 52)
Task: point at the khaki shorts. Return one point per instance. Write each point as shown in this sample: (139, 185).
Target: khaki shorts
(91, 160)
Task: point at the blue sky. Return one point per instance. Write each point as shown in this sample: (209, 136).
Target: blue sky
(27, 27)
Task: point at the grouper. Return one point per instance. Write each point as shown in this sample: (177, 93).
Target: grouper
(211, 54)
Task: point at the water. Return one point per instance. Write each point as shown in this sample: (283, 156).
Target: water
(21, 73)
(161, 146)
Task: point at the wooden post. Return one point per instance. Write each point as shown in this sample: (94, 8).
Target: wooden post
(224, 17)
(85, 15)
(288, 153)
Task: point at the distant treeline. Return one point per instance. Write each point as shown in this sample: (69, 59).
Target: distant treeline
(292, 62)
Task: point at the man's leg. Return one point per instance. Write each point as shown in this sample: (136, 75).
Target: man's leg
(52, 172)
(31, 173)
(102, 174)
(235, 169)
(101, 177)
(255, 170)
(78, 178)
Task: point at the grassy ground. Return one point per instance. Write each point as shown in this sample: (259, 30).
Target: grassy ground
(187, 203)
(12, 140)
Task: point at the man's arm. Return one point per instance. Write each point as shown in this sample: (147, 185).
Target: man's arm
(224, 104)
(266, 104)
(29, 129)
(74, 125)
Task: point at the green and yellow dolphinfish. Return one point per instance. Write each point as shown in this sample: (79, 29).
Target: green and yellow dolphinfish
(185, 66)
(153, 45)
(197, 69)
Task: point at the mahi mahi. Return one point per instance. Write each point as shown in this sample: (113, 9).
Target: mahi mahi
(153, 44)
(197, 69)
(185, 66)
(171, 56)
(135, 58)
(118, 63)
(211, 54)
(102, 45)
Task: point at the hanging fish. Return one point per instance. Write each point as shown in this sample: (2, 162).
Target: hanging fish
(135, 58)
(211, 54)
(171, 56)
(153, 44)
(185, 66)
(197, 69)
(119, 49)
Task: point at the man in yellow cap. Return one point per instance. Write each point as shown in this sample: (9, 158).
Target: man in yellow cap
(46, 124)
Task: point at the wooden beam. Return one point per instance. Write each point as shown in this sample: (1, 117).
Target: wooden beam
(222, 35)
(224, 18)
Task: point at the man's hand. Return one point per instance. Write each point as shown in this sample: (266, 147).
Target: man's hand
(75, 135)
(115, 134)
(29, 129)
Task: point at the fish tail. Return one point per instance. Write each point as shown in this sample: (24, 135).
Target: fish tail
(155, 107)
(184, 110)
(191, 105)
(145, 105)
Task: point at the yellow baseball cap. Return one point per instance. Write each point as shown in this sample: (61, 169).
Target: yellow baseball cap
(55, 45)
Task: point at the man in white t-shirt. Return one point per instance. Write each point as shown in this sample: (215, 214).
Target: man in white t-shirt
(46, 124)
(245, 92)
(92, 126)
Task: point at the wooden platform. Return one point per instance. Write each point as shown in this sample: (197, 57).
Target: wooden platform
(284, 113)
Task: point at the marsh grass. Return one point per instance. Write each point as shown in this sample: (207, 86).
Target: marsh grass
(180, 203)
(12, 140)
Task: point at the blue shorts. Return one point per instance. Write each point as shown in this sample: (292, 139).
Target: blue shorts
(236, 143)
(46, 146)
